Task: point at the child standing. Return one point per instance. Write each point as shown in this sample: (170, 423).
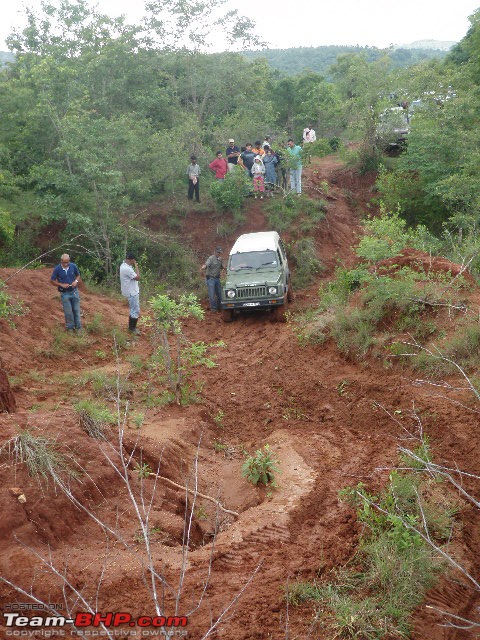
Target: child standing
(258, 171)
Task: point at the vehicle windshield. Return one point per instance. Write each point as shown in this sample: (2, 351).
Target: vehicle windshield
(253, 260)
(395, 117)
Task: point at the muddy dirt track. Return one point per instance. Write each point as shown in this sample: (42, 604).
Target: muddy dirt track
(327, 420)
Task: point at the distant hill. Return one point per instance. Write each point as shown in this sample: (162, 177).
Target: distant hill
(319, 59)
(6, 56)
(437, 45)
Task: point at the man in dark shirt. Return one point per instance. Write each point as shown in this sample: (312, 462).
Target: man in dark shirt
(232, 152)
(213, 266)
(248, 158)
(66, 277)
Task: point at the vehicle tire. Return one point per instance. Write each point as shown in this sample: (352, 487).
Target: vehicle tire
(290, 293)
(279, 314)
(227, 315)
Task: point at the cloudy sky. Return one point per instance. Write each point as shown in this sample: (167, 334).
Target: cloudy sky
(284, 24)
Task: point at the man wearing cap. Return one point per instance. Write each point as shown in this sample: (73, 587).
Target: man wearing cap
(66, 277)
(232, 152)
(129, 277)
(213, 266)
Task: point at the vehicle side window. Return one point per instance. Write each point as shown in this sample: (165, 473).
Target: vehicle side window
(282, 251)
(280, 257)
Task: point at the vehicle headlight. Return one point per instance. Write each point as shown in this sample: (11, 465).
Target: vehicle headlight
(272, 290)
(230, 294)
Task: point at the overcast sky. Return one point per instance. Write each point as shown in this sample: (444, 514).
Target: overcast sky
(284, 24)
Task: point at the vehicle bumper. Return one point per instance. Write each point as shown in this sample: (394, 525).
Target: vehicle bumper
(238, 305)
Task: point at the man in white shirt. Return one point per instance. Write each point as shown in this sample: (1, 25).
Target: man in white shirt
(309, 134)
(129, 277)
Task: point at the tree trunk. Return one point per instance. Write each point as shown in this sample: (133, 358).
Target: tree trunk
(7, 399)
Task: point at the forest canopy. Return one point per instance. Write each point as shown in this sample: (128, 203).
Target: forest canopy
(99, 117)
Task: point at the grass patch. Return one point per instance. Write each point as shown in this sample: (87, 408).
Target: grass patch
(96, 326)
(40, 455)
(374, 596)
(294, 213)
(360, 303)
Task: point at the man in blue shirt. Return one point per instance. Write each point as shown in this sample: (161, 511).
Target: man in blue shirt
(66, 277)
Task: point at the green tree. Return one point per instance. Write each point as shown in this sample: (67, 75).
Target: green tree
(168, 315)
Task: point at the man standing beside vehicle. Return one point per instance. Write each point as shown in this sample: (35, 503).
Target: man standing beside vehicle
(66, 278)
(129, 277)
(212, 267)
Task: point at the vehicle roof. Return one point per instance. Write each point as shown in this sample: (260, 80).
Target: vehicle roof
(260, 241)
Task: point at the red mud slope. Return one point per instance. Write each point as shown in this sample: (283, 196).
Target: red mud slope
(326, 420)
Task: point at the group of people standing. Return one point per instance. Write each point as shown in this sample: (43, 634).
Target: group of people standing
(267, 168)
(261, 163)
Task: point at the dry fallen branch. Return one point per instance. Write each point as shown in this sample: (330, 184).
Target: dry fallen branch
(461, 623)
(197, 493)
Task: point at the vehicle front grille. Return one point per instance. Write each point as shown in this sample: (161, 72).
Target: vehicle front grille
(252, 292)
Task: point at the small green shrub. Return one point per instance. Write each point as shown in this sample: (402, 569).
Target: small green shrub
(9, 309)
(462, 350)
(280, 216)
(353, 331)
(320, 148)
(464, 346)
(386, 235)
(230, 194)
(143, 470)
(218, 418)
(174, 356)
(261, 467)
(67, 342)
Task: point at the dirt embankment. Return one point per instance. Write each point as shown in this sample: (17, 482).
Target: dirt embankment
(327, 420)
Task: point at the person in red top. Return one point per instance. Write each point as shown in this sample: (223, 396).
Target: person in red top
(220, 166)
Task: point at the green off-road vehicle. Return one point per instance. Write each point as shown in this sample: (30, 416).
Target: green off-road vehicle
(258, 277)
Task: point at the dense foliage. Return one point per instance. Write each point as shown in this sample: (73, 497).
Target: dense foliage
(99, 117)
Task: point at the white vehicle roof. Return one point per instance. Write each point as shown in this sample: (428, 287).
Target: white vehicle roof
(261, 241)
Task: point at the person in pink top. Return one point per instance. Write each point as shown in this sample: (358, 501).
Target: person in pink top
(220, 166)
